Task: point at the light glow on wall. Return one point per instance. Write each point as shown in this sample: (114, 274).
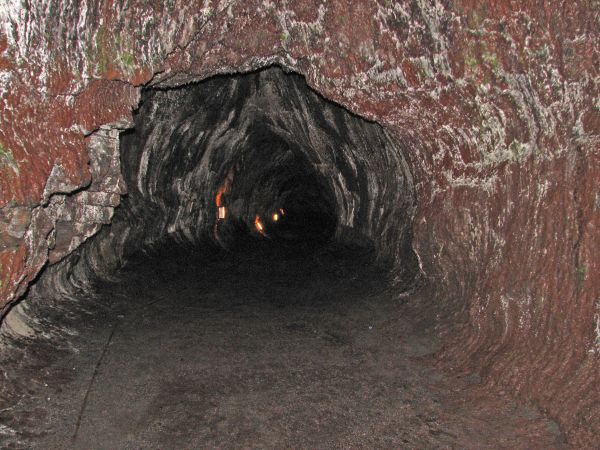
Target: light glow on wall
(259, 226)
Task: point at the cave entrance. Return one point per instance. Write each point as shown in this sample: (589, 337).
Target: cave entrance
(260, 157)
(253, 158)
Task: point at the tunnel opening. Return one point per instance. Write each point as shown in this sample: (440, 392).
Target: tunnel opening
(289, 201)
(260, 159)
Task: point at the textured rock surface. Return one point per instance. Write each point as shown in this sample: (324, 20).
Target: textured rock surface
(495, 104)
(270, 137)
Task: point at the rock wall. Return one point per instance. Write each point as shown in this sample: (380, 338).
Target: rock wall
(261, 132)
(496, 104)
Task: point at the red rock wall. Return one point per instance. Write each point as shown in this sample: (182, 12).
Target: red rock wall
(498, 103)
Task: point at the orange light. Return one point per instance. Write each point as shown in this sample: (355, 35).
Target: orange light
(275, 217)
(259, 226)
(225, 187)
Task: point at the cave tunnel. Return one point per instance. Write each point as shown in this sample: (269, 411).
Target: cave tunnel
(249, 290)
(308, 224)
(262, 157)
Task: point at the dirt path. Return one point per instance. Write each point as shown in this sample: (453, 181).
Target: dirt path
(261, 350)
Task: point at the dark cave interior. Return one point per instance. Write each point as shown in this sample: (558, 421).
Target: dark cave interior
(262, 157)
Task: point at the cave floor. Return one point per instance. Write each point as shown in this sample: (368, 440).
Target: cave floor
(265, 349)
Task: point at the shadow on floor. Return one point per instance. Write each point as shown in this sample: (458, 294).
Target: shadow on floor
(269, 347)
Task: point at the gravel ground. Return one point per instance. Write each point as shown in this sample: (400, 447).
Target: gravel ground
(266, 348)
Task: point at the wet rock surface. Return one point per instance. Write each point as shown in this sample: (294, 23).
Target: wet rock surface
(274, 347)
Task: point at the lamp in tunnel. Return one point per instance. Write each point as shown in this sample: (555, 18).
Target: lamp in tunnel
(275, 217)
(259, 226)
(224, 189)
